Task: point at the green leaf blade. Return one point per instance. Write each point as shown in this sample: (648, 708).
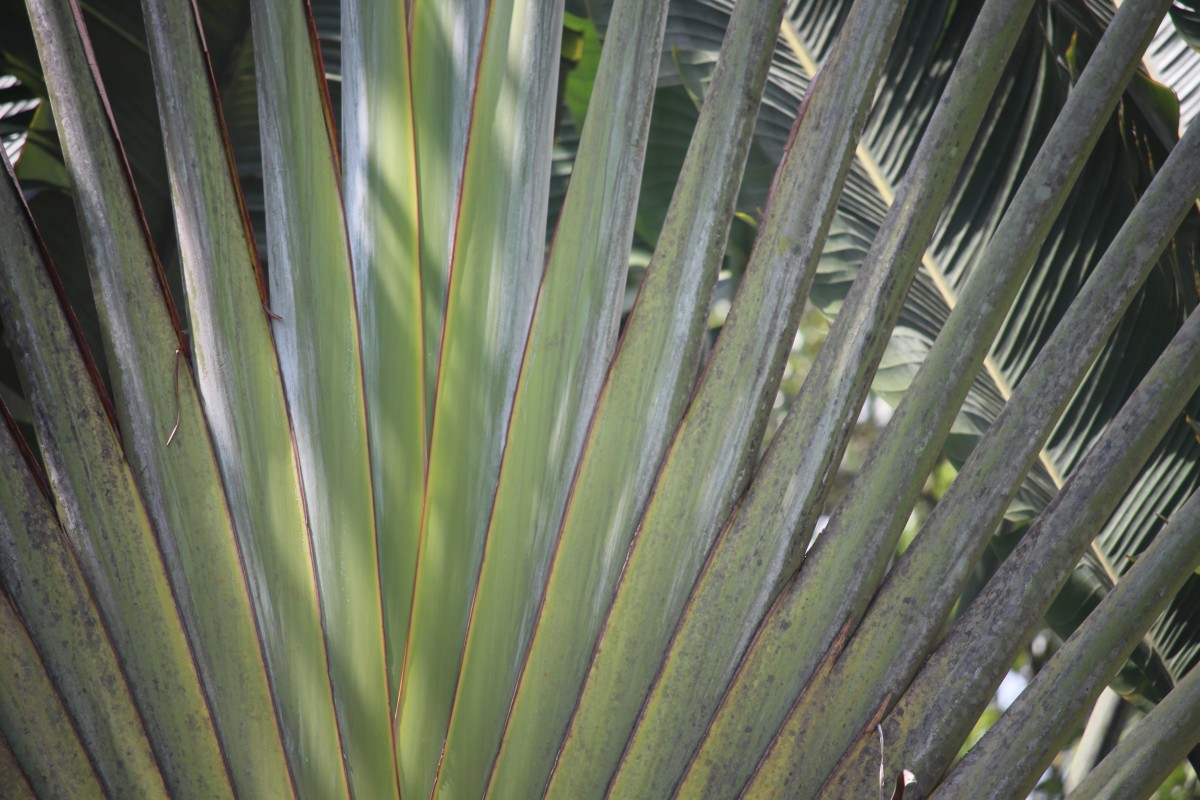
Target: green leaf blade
(11, 774)
(237, 375)
(498, 255)
(39, 574)
(318, 340)
(570, 346)
(706, 467)
(102, 510)
(383, 218)
(34, 722)
(442, 102)
(773, 525)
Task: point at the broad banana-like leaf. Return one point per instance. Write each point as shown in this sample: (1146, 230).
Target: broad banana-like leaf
(18, 103)
(1186, 17)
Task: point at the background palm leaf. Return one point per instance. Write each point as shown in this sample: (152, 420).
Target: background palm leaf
(1033, 89)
